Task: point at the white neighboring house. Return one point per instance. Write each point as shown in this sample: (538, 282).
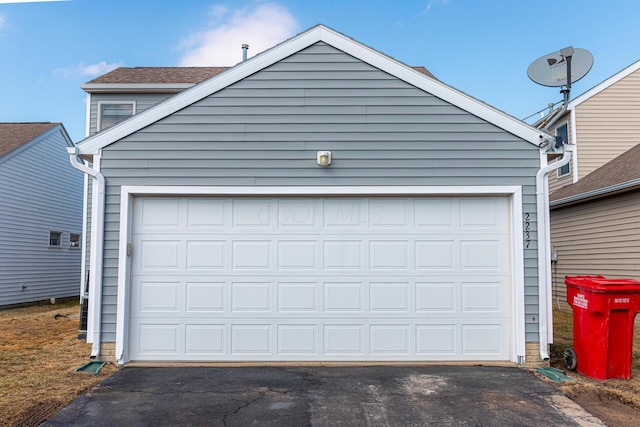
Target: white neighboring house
(40, 214)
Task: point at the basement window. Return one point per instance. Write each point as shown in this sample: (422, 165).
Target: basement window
(55, 239)
(110, 113)
(74, 240)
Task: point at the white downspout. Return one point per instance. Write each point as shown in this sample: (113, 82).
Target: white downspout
(97, 227)
(544, 249)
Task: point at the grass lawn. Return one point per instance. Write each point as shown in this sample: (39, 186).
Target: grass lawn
(39, 351)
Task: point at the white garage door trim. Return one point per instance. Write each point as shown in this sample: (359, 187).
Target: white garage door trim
(513, 192)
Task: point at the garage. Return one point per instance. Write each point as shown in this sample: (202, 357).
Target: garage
(319, 202)
(320, 278)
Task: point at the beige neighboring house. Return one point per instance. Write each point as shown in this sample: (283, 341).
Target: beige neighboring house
(595, 199)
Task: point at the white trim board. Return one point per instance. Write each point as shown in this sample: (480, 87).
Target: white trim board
(288, 48)
(513, 192)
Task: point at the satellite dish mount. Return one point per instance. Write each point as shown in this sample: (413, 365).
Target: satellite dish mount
(567, 54)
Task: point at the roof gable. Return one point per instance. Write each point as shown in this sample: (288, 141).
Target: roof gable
(15, 135)
(316, 34)
(604, 85)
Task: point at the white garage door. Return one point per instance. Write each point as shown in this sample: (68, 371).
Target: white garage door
(233, 279)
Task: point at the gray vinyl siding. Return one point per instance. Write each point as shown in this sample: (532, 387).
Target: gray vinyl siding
(142, 103)
(39, 191)
(265, 131)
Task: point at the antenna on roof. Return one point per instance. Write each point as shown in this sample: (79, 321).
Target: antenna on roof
(245, 48)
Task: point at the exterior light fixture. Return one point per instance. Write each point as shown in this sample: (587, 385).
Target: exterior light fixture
(323, 158)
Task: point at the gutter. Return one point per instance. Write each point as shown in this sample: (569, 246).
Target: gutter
(616, 188)
(97, 244)
(544, 250)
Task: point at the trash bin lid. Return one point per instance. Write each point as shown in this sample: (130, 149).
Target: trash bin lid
(602, 284)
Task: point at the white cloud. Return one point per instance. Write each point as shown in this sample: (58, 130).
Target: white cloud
(260, 26)
(83, 70)
(429, 6)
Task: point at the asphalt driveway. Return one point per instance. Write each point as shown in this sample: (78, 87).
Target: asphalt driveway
(323, 396)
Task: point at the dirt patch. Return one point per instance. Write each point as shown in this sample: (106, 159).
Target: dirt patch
(39, 352)
(605, 406)
(616, 402)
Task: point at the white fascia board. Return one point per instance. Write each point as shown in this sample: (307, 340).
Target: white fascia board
(135, 87)
(320, 191)
(296, 44)
(605, 84)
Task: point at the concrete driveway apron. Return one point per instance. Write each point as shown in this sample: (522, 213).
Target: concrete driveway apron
(323, 396)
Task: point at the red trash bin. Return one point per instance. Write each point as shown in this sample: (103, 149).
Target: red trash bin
(603, 315)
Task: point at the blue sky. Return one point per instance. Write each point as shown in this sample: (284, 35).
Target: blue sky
(47, 49)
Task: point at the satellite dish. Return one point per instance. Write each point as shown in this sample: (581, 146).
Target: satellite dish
(551, 69)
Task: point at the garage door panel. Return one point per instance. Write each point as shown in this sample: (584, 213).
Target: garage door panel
(157, 296)
(435, 255)
(297, 297)
(344, 339)
(252, 255)
(158, 214)
(389, 340)
(343, 255)
(301, 215)
(389, 213)
(205, 254)
(389, 297)
(251, 339)
(298, 339)
(297, 255)
(159, 254)
(320, 279)
(434, 297)
(479, 339)
(385, 255)
(437, 340)
(203, 340)
(205, 297)
(346, 215)
(159, 339)
(483, 296)
(434, 214)
(250, 297)
(205, 213)
(252, 214)
(481, 255)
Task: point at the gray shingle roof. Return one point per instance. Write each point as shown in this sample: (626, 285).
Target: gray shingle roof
(169, 75)
(155, 75)
(13, 135)
(623, 169)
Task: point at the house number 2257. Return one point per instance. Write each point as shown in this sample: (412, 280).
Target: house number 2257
(527, 230)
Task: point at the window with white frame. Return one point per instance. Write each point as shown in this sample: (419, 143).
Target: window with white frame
(563, 131)
(74, 240)
(110, 113)
(55, 239)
